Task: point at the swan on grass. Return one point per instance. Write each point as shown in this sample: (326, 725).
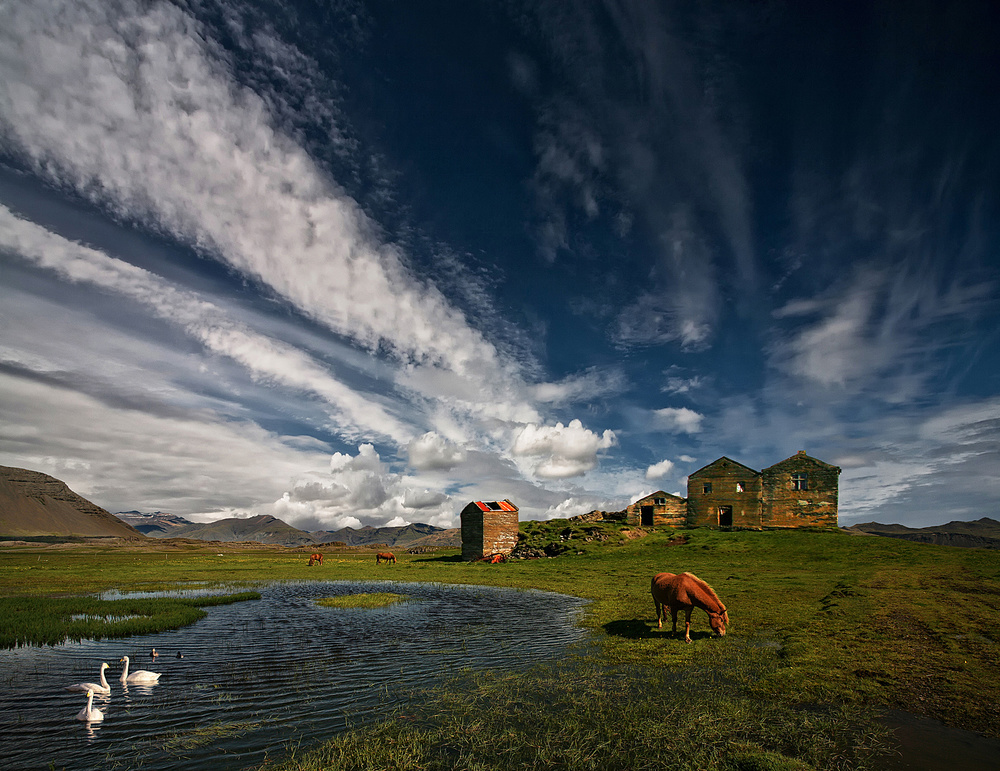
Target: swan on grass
(102, 688)
(90, 713)
(138, 676)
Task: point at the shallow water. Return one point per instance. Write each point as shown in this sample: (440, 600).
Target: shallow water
(257, 677)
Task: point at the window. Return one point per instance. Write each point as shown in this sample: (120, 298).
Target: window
(800, 482)
(707, 488)
(741, 487)
(659, 501)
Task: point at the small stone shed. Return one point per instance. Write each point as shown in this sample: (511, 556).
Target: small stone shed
(656, 510)
(488, 527)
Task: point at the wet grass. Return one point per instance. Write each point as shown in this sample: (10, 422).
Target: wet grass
(579, 714)
(363, 600)
(837, 622)
(54, 620)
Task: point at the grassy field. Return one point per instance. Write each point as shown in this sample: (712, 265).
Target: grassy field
(823, 625)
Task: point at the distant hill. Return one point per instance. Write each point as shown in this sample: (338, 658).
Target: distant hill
(158, 524)
(405, 537)
(981, 534)
(263, 528)
(34, 504)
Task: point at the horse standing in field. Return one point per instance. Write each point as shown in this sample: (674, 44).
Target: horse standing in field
(315, 558)
(687, 592)
(385, 556)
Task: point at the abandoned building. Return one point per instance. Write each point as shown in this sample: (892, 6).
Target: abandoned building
(488, 528)
(658, 509)
(800, 491)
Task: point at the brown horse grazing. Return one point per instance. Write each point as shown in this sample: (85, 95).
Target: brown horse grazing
(687, 592)
(385, 556)
(315, 558)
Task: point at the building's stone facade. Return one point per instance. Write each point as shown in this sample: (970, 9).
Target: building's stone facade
(657, 510)
(488, 528)
(800, 491)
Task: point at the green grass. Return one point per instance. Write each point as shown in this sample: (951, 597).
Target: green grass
(364, 600)
(826, 619)
(54, 620)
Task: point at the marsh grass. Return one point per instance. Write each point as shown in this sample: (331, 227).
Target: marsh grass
(582, 715)
(54, 620)
(363, 600)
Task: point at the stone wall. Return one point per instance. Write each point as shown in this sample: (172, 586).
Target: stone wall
(726, 478)
(672, 512)
(815, 506)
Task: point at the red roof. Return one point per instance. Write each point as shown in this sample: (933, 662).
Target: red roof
(495, 506)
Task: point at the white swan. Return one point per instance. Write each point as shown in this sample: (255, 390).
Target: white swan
(90, 713)
(102, 688)
(139, 676)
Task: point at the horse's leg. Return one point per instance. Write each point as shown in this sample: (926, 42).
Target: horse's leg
(659, 621)
(687, 624)
(673, 615)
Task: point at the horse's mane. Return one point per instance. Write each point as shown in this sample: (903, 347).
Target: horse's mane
(707, 588)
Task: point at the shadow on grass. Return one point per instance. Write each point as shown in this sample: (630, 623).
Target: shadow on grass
(637, 629)
(445, 558)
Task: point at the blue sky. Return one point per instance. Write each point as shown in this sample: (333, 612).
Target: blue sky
(360, 263)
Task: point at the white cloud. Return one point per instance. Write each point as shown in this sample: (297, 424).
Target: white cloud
(678, 420)
(659, 470)
(131, 105)
(567, 451)
(431, 451)
(202, 320)
(592, 384)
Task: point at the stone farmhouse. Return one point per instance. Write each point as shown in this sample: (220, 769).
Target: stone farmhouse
(800, 491)
(488, 528)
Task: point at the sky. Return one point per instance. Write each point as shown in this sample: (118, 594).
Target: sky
(359, 263)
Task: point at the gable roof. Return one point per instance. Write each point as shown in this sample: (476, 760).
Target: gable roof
(657, 494)
(504, 505)
(720, 461)
(798, 458)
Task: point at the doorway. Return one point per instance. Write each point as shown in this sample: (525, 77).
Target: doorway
(646, 516)
(725, 516)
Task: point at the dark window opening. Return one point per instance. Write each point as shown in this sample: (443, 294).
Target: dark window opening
(800, 482)
(494, 506)
(660, 501)
(741, 487)
(707, 488)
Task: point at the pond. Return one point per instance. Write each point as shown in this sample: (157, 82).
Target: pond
(258, 677)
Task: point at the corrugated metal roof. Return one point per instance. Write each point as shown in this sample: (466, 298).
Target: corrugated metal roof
(495, 506)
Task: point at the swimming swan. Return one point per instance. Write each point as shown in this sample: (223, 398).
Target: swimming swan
(90, 713)
(102, 688)
(139, 676)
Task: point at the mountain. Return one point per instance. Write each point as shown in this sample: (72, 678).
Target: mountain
(158, 524)
(35, 504)
(405, 537)
(981, 534)
(262, 528)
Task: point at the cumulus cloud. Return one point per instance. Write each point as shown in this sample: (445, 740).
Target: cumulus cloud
(659, 470)
(363, 488)
(679, 420)
(432, 452)
(566, 451)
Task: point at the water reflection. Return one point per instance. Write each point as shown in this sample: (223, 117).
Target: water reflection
(259, 675)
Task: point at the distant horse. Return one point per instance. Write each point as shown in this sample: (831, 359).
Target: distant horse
(687, 592)
(313, 558)
(385, 556)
